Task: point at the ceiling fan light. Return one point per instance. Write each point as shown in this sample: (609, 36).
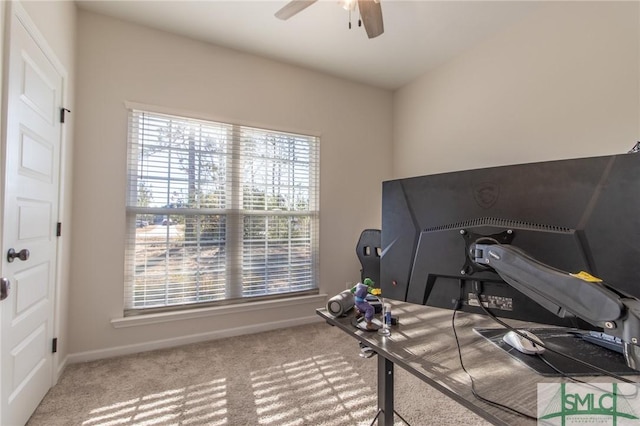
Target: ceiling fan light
(348, 4)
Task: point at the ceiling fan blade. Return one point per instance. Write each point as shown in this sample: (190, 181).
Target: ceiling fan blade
(293, 7)
(371, 14)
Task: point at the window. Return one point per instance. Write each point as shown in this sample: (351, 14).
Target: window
(217, 212)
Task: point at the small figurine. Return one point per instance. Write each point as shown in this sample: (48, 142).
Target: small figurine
(360, 291)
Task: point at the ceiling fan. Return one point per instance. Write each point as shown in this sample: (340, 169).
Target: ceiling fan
(370, 13)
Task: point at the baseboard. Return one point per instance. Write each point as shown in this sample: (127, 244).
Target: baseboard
(184, 340)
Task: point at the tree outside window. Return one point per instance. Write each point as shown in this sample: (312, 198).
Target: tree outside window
(218, 212)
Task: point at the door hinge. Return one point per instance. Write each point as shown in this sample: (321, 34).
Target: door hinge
(62, 113)
(54, 345)
(59, 229)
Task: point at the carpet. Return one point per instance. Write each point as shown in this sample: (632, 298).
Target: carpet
(306, 375)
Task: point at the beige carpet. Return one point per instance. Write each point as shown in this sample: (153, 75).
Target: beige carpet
(307, 375)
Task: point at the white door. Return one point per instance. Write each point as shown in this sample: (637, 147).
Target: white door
(31, 165)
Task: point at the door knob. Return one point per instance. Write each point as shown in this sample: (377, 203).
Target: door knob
(22, 255)
(5, 285)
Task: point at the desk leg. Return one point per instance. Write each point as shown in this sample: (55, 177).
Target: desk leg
(385, 391)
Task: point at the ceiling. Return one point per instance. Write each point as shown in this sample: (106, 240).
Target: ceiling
(419, 35)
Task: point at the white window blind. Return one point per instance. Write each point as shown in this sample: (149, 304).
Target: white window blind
(217, 212)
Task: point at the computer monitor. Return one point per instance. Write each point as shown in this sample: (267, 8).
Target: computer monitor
(574, 215)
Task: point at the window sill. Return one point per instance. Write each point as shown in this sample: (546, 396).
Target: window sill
(138, 320)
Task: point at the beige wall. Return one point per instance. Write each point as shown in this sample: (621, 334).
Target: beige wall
(562, 83)
(120, 62)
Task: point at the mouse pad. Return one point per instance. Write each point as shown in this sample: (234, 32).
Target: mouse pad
(566, 341)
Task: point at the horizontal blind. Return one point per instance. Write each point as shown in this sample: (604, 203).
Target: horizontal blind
(218, 212)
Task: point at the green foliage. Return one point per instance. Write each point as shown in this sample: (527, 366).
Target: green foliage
(145, 196)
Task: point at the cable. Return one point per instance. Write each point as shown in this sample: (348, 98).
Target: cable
(579, 361)
(473, 388)
(587, 384)
(557, 370)
(497, 404)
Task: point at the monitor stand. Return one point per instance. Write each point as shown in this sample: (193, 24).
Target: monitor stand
(566, 341)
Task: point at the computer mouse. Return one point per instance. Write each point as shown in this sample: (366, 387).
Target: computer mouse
(522, 344)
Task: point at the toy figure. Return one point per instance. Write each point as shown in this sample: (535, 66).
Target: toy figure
(360, 291)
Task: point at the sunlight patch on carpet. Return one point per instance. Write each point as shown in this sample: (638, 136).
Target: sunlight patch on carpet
(323, 389)
(195, 404)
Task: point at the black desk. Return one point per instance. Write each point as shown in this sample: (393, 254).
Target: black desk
(424, 345)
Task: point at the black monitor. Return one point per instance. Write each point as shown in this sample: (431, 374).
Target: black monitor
(574, 215)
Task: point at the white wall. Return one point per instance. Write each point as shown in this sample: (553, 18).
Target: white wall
(562, 83)
(56, 22)
(120, 62)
